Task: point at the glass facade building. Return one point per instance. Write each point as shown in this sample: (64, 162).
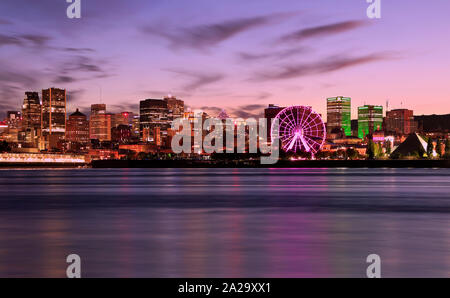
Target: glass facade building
(53, 117)
(400, 121)
(339, 114)
(370, 119)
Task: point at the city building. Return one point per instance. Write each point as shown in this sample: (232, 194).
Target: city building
(123, 118)
(31, 118)
(135, 127)
(53, 118)
(370, 119)
(154, 119)
(121, 134)
(99, 108)
(31, 110)
(14, 119)
(270, 113)
(175, 107)
(339, 114)
(77, 131)
(414, 146)
(100, 123)
(400, 121)
(14, 125)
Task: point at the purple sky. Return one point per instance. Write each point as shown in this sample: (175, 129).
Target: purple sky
(237, 55)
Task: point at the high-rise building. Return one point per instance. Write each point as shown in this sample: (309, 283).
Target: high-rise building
(100, 123)
(31, 118)
(77, 128)
(121, 134)
(400, 121)
(158, 113)
(339, 114)
(53, 117)
(135, 127)
(14, 122)
(269, 113)
(31, 110)
(123, 118)
(175, 107)
(153, 113)
(98, 109)
(14, 119)
(370, 119)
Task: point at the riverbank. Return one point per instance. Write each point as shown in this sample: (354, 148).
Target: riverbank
(280, 164)
(41, 165)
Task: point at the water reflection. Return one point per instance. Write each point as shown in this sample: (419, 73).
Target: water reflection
(225, 222)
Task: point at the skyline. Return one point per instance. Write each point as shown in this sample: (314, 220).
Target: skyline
(237, 56)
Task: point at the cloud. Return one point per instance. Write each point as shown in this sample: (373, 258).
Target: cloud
(205, 36)
(24, 40)
(325, 30)
(78, 50)
(74, 96)
(162, 93)
(198, 79)
(248, 111)
(124, 107)
(329, 65)
(79, 68)
(36, 39)
(260, 96)
(5, 22)
(243, 111)
(64, 80)
(278, 55)
(9, 40)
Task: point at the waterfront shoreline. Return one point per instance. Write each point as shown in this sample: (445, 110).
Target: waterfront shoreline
(280, 164)
(102, 164)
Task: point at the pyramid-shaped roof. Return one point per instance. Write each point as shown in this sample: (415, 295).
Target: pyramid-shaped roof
(414, 143)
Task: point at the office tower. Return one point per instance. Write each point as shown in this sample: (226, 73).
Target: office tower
(339, 114)
(31, 110)
(98, 109)
(400, 121)
(77, 128)
(100, 123)
(270, 113)
(370, 119)
(175, 107)
(53, 117)
(14, 119)
(153, 113)
(121, 134)
(123, 118)
(31, 118)
(135, 127)
(14, 122)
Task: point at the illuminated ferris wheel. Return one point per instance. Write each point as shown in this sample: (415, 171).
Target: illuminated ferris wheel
(300, 130)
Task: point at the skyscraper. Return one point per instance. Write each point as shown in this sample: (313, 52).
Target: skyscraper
(175, 107)
(370, 119)
(339, 114)
(77, 128)
(100, 123)
(400, 121)
(123, 118)
(31, 110)
(14, 121)
(53, 117)
(269, 113)
(153, 113)
(31, 118)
